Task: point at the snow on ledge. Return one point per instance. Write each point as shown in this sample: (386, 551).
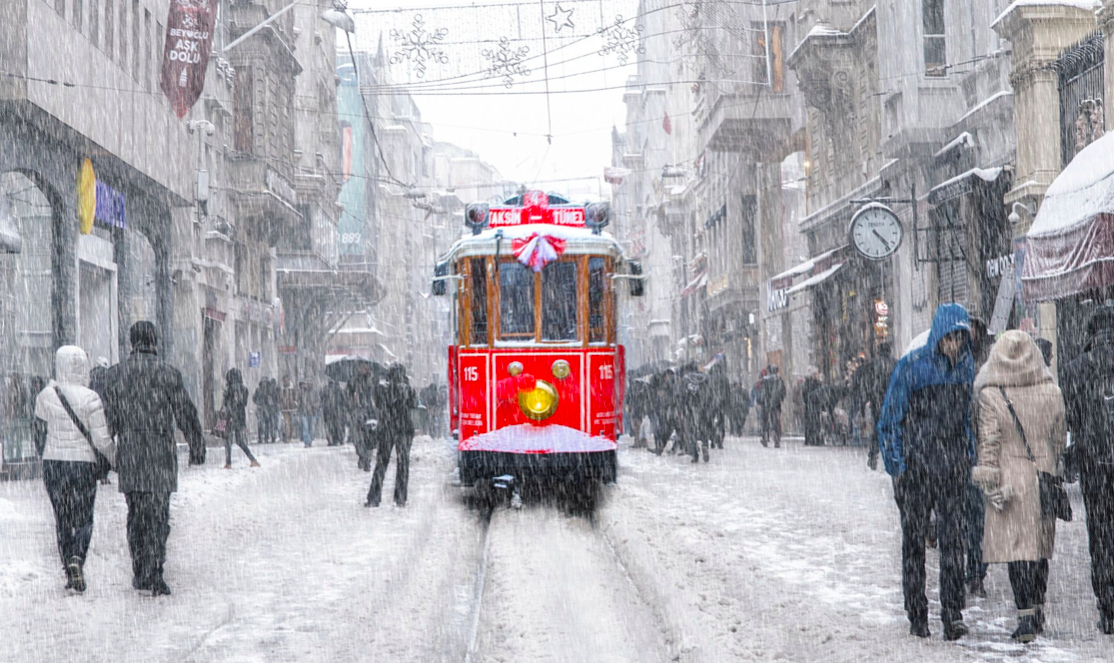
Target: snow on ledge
(1093, 5)
(985, 103)
(965, 139)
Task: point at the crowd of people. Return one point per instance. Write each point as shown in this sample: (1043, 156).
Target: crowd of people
(88, 421)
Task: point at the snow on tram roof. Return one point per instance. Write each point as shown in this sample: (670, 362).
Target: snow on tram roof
(578, 241)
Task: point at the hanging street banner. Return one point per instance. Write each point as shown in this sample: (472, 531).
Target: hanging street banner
(189, 34)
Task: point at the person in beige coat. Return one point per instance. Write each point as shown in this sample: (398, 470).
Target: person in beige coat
(1015, 532)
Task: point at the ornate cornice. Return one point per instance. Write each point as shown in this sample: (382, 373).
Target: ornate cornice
(1028, 73)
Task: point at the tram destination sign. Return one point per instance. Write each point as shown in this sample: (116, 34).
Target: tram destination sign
(503, 217)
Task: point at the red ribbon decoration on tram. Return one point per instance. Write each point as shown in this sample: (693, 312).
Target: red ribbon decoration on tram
(537, 251)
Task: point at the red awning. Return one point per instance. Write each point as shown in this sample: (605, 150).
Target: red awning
(1070, 247)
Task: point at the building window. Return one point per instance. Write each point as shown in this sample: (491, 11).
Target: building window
(147, 49)
(748, 238)
(136, 42)
(773, 74)
(110, 28)
(243, 123)
(60, 7)
(78, 15)
(935, 45)
(94, 22)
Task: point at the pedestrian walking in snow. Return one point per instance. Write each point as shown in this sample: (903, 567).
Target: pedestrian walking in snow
(144, 400)
(364, 415)
(288, 402)
(870, 383)
(334, 409)
(76, 438)
(1020, 433)
(395, 398)
(97, 377)
(812, 400)
(1088, 384)
(266, 399)
(309, 409)
(738, 408)
(696, 422)
(666, 409)
(718, 401)
(235, 408)
(770, 396)
(926, 442)
(976, 569)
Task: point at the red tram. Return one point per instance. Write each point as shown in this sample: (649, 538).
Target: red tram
(536, 376)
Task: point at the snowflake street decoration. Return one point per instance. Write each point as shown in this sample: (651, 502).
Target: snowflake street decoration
(419, 46)
(507, 62)
(622, 40)
(561, 19)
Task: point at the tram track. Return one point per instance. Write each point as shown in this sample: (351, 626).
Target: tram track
(553, 587)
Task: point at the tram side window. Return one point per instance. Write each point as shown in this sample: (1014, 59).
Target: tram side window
(559, 302)
(479, 301)
(597, 291)
(516, 301)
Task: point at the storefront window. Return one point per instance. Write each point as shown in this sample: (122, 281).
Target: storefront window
(516, 301)
(559, 301)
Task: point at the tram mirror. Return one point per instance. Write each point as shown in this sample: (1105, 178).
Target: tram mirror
(597, 215)
(636, 284)
(475, 217)
(439, 287)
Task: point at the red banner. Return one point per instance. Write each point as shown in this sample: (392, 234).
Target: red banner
(185, 57)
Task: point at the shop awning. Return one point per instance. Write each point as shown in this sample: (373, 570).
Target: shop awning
(1070, 246)
(807, 266)
(963, 184)
(699, 282)
(815, 280)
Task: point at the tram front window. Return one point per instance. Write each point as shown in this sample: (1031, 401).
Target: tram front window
(597, 290)
(516, 301)
(559, 302)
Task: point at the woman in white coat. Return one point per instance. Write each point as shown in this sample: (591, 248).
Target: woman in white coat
(69, 462)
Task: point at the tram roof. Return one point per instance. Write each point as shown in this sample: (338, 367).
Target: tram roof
(578, 241)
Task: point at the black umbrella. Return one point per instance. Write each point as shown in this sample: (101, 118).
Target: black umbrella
(343, 368)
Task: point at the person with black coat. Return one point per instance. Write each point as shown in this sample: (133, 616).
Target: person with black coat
(265, 399)
(235, 407)
(1088, 387)
(718, 402)
(364, 415)
(869, 385)
(395, 398)
(665, 414)
(144, 399)
(770, 396)
(333, 409)
(812, 390)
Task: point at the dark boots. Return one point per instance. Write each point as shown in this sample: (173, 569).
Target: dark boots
(1106, 622)
(75, 574)
(955, 629)
(1026, 630)
(976, 588)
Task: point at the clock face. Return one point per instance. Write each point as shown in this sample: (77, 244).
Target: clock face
(876, 232)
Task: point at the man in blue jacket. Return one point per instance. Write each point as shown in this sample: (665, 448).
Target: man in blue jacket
(925, 438)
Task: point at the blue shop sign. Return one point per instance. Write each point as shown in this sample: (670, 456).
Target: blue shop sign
(254, 359)
(110, 207)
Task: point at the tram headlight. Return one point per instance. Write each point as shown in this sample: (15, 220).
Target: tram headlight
(540, 402)
(561, 369)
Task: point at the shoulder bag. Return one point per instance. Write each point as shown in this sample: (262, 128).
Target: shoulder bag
(101, 465)
(1054, 499)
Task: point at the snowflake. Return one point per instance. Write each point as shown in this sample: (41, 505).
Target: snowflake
(419, 46)
(507, 62)
(622, 40)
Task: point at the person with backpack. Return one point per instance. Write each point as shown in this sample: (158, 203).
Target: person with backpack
(235, 408)
(927, 444)
(1020, 435)
(771, 393)
(1088, 385)
(78, 450)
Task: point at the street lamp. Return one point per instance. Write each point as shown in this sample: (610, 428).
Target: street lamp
(336, 17)
(201, 194)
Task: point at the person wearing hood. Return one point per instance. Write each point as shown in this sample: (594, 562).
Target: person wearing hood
(1020, 433)
(771, 393)
(395, 398)
(235, 407)
(696, 422)
(76, 431)
(926, 443)
(1088, 384)
(144, 399)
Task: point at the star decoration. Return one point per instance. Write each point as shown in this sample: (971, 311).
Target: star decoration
(561, 19)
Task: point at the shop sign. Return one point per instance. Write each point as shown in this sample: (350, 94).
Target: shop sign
(287, 350)
(189, 33)
(278, 185)
(717, 216)
(97, 201)
(881, 319)
(997, 267)
(777, 298)
(214, 314)
(255, 358)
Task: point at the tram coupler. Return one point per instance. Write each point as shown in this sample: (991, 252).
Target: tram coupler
(507, 483)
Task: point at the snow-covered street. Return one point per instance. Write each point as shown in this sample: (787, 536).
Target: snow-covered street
(762, 554)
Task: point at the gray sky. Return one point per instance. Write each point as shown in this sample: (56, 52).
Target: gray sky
(509, 131)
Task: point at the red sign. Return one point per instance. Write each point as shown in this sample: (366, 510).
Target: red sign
(604, 376)
(189, 34)
(502, 217)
